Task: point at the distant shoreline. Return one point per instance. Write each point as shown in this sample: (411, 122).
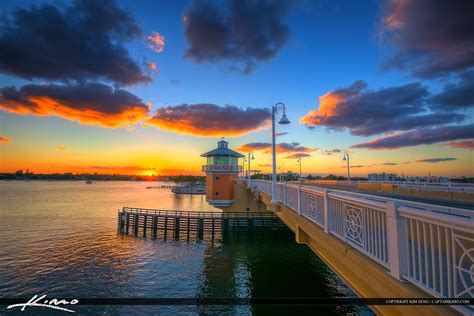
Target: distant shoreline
(79, 180)
(20, 176)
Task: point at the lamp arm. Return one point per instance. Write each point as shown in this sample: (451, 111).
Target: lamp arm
(279, 105)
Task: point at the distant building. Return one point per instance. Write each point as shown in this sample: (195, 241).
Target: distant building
(221, 169)
(431, 179)
(382, 177)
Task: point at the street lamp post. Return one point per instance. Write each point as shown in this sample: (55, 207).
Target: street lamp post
(346, 157)
(248, 170)
(283, 120)
(299, 162)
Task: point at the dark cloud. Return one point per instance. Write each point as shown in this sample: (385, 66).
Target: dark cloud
(456, 96)
(433, 37)
(293, 147)
(370, 112)
(62, 148)
(5, 140)
(436, 160)
(87, 103)
(278, 134)
(466, 144)
(78, 42)
(328, 152)
(298, 155)
(389, 164)
(280, 148)
(242, 32)
(205, 119)
(423, 136)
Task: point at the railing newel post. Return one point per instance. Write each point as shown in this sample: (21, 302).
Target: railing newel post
(326, 210)
(397, 241)
(299, 200)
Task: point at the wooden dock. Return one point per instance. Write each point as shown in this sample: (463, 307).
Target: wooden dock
(161, 187)
(190, 224)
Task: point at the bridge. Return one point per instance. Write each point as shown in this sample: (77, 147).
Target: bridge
(382, 247)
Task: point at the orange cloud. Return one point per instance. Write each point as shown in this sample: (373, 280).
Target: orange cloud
(280, 148)
(367, 112)
(467, 144)
(155, 42)
(62, 148)
(5, 140)
(205, 119)
(90, 103)
(328, 104)
(151, 66)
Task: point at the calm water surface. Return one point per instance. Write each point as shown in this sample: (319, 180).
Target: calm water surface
(61, 239)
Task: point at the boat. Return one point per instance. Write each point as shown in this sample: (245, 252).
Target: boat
(89, 182)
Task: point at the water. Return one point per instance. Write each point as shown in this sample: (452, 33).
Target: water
(61, 239)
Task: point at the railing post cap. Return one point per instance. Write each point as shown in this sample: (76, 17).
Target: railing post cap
(391, 208)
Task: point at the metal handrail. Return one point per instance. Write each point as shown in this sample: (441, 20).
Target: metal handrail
(195, 214)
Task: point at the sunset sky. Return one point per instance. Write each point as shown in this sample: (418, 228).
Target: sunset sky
(139, 87)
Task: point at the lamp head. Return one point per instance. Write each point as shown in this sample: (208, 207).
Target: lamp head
(253, 158)
(344, 157)
(284, 120)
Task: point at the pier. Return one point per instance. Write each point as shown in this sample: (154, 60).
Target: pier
(161, 187)
(191, 224)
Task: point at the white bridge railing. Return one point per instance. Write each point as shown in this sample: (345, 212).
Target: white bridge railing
(427, 245)
(425, 186)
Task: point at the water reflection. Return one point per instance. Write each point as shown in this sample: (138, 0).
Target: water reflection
(61, 239)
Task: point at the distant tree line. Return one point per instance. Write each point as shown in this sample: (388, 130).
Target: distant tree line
(188, 179)
(27, 175)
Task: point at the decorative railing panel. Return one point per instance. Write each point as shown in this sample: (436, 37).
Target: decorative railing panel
(291, 197)
(440, 256)
(312, 207)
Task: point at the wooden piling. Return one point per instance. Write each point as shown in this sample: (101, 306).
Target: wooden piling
(144, 225)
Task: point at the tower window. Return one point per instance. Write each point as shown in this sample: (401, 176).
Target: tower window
(216, 193)
(217, 178)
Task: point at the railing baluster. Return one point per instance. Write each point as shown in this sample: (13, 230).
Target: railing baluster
(425, 247)
(440, 263)
(418, 240)
(412, 236)
(448, 263)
